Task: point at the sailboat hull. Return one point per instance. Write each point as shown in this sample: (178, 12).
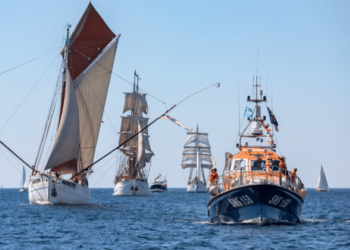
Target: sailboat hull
(131, 188)
(196, 188)
(23, 190)
(49, 190)
(259, 203)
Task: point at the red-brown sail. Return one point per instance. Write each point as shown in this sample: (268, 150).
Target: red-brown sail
(88, 39)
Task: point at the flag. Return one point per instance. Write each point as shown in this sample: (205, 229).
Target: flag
(248, 112)
(259, 139)
(176, 122)
(64, 40)
(273, 119)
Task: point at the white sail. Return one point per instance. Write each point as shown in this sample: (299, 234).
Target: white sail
(213, 162)
(322, 181)
(140, 149)
(134, 101)
(199, 161)
(66, 146)
(194, 165)
(23, 180)
(134, 141)
(194, 158)
(194, 149)
(91, 91)
(129, 123)
(193, 137)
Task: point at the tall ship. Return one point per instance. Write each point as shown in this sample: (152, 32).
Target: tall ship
(322, 184)
(196, 157)
(256, 185)
(80, 96)
(133, 169)
(24, 183)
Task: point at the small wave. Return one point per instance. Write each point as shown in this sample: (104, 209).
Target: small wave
(42, 203)
(313, 220)
(202, 222)
(347, 221)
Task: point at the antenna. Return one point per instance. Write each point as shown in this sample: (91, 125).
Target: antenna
(257, 64)
(239, 113)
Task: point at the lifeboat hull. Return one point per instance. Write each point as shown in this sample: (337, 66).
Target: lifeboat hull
(261, 203)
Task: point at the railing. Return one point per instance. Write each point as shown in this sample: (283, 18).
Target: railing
(233, 179)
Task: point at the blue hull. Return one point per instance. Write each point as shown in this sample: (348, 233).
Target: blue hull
(263, 202)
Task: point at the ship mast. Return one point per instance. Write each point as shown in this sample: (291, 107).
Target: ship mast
(64, 72)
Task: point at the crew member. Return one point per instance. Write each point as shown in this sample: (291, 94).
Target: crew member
(282, 165)
(294, 174)
(268, 165)
(213, 175)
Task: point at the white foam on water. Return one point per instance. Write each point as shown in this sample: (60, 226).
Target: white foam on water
(313, 220)
(202, 222)
(43, 203)
(347, 221)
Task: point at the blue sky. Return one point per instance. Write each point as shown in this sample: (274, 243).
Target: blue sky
(178, 47)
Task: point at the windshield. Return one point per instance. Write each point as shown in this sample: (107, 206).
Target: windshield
(275, 166)
(257, 165)
(239, 164)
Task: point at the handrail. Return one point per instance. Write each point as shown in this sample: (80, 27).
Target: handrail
(234, 178)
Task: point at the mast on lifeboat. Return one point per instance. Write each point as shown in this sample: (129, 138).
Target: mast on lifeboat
(257, 120)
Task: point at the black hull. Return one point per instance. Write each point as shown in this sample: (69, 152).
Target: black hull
(261, 202)
(157, 188)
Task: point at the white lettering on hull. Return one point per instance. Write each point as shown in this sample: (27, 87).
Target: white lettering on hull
(240, 201)
(279, 201)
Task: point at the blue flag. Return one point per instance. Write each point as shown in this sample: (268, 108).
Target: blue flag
(248, 112)
(273, 119)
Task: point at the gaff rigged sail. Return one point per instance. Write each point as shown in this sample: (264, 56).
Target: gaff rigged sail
(90, 36)
(92, 49)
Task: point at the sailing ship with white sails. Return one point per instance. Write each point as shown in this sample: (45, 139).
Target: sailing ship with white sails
(88, 58)
(133, 169)
(322, 184)
(24, 183)
(196, 157)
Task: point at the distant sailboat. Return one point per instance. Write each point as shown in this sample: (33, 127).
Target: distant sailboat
(23, 181)
(322, 184)
(196, 150)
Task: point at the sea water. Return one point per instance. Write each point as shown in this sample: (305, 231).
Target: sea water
(170, 220)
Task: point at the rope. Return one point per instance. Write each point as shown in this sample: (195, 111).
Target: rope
(28, 94)
(10, 161)
(29, 61)
(125, 79)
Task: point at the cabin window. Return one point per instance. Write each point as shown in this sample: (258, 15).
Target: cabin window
(239, 164)
(275, 166)
(257, 165)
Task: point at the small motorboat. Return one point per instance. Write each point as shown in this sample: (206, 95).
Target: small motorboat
(159, 185)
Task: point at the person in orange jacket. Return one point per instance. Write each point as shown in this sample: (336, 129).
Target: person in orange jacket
(213, 175)
(282, 165)
(294, 174)
(268, 165)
